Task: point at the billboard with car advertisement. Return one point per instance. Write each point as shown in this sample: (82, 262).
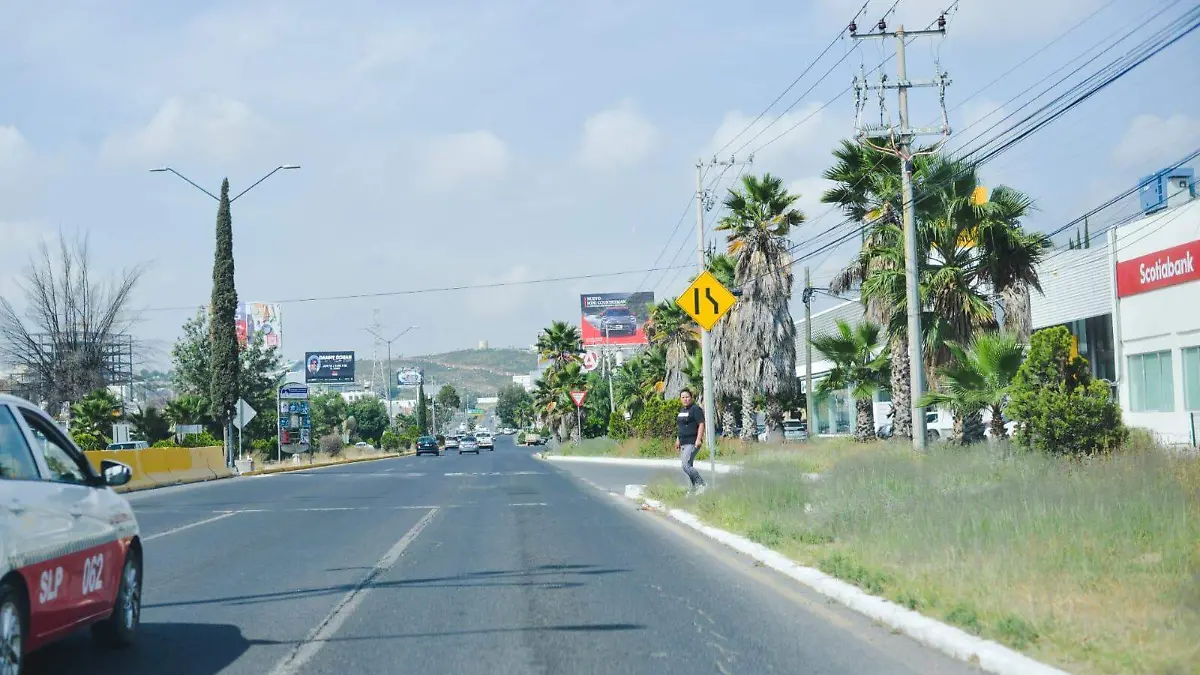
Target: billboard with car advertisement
(615, 318)
(409, 377)
(330, 367)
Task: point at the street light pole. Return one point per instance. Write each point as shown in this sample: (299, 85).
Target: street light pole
(166, 169)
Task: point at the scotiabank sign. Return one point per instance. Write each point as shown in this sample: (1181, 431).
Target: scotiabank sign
(1175, 265)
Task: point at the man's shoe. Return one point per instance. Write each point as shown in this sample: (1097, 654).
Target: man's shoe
(701, 489)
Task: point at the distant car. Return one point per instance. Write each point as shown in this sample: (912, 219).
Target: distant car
(618, 320)
(363, 445)
(485, 441)
(130, 445)
(468, 443)
(451, 442)
(795, 430)
(428, 445)
(70, 548)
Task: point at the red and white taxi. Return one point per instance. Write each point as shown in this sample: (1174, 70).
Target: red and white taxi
(70, 554)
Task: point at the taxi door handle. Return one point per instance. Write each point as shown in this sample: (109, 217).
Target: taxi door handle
(76, 512)
(16, 506)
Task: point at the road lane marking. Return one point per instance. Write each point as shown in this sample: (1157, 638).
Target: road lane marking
(530, 504)
(306, 650)
(498, 473)
(189, 526)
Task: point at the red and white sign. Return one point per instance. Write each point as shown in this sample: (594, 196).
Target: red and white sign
(1175, 265)
(579, 397)
(591, 360)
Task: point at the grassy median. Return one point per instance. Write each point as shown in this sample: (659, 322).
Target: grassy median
(1091, 565)
(657, 448)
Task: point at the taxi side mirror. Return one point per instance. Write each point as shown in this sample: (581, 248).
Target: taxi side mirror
(115, 473)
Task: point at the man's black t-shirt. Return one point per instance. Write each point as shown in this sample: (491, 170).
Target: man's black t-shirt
(689, 420)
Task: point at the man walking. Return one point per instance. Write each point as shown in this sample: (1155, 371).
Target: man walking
(691, 429)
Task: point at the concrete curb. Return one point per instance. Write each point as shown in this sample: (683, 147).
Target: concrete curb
(631, 461)
(303, 467)
(990, 656)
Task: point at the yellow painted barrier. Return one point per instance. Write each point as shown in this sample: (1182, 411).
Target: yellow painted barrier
(153, 467)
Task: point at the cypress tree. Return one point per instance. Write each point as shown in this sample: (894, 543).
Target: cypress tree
(422, 410)
(1087, 237)
(224, 390)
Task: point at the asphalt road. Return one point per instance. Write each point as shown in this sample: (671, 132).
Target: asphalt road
(461, 564)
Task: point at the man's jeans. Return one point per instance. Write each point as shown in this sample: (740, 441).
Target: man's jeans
(687, 454)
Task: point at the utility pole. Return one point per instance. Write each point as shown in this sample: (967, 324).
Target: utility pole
(387, 380)
(708, 400)
(901, 145)
(809, 405)
(612, 405)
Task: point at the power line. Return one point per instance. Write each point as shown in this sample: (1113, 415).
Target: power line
(438, 289)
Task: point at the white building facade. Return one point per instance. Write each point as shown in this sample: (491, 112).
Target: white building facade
(1133, 305)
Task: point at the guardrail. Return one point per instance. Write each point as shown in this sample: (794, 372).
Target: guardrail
(154, 467)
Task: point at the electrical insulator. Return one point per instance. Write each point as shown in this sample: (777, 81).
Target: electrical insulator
(853, 28)
(882, 25)
(942, 22)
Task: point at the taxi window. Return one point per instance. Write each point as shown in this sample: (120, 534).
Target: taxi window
(16, 459)
(64, 466)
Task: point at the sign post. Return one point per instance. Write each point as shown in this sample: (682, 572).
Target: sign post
(295, 424)
(245, 413)
(706, 301)
(579, 397)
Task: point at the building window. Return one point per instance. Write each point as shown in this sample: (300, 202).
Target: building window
(1191, 378)
(884, 396)
(1151, 385)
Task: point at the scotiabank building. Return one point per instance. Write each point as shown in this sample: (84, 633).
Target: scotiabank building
(1131, 299)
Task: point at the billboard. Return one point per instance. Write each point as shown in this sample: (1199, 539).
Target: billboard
(409, 377)
(242, 324)
(265, 318)
(615, 318)
(329, 366)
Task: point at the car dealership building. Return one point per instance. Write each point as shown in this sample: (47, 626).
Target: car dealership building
(1132, 303)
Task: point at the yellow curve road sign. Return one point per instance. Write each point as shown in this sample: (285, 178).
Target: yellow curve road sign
(706, 300)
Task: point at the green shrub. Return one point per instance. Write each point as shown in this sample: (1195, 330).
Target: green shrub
(521, 438)
(267, 445)
(1057, 405)
(165, 443)
(87, 440)
(657, 419)
(389, 440)
(618, 426)
(200, 440)
(331, 444)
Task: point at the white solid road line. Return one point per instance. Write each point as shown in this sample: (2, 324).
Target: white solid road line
(189, 526)
(306, 650)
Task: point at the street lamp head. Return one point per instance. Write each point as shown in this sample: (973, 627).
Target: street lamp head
(290, 166)
(160, 169)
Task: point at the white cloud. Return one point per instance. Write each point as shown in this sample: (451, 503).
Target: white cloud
(14, 149)
(20, 240)
(617, 138)
(795, 145)
(214, 127)
(809, 203)
(465, 160)
(1150, 136)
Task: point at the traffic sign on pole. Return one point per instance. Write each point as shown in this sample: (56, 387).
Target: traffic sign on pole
(591, 360)
(579, 397)
(244, 413)
(706, 300)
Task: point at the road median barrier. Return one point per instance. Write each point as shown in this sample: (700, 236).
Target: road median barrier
(284, 468)
(156, 467)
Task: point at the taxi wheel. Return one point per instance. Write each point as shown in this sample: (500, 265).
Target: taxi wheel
(120, 628)
(13, 622)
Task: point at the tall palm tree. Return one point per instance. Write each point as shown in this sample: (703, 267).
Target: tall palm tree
(978, 376)
(759, 355)
(868, 190)
(671, 328)
(560, 343)
(860, 364)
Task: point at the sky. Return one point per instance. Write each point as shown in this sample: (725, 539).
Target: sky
(470, 143)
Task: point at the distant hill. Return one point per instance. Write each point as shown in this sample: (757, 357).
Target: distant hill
(478, 371)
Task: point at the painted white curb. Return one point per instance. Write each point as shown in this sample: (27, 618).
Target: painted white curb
(990, 656)
(703, 465)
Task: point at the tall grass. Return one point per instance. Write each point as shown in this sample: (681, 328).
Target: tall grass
(1093, 565)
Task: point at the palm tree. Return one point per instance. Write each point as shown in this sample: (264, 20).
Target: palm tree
(560, 343)
(868, 190)
(860, 364)
(693, 372)
(758, 356)
(92, 419)
(978, 377)
(151, 424)
(672, 329)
